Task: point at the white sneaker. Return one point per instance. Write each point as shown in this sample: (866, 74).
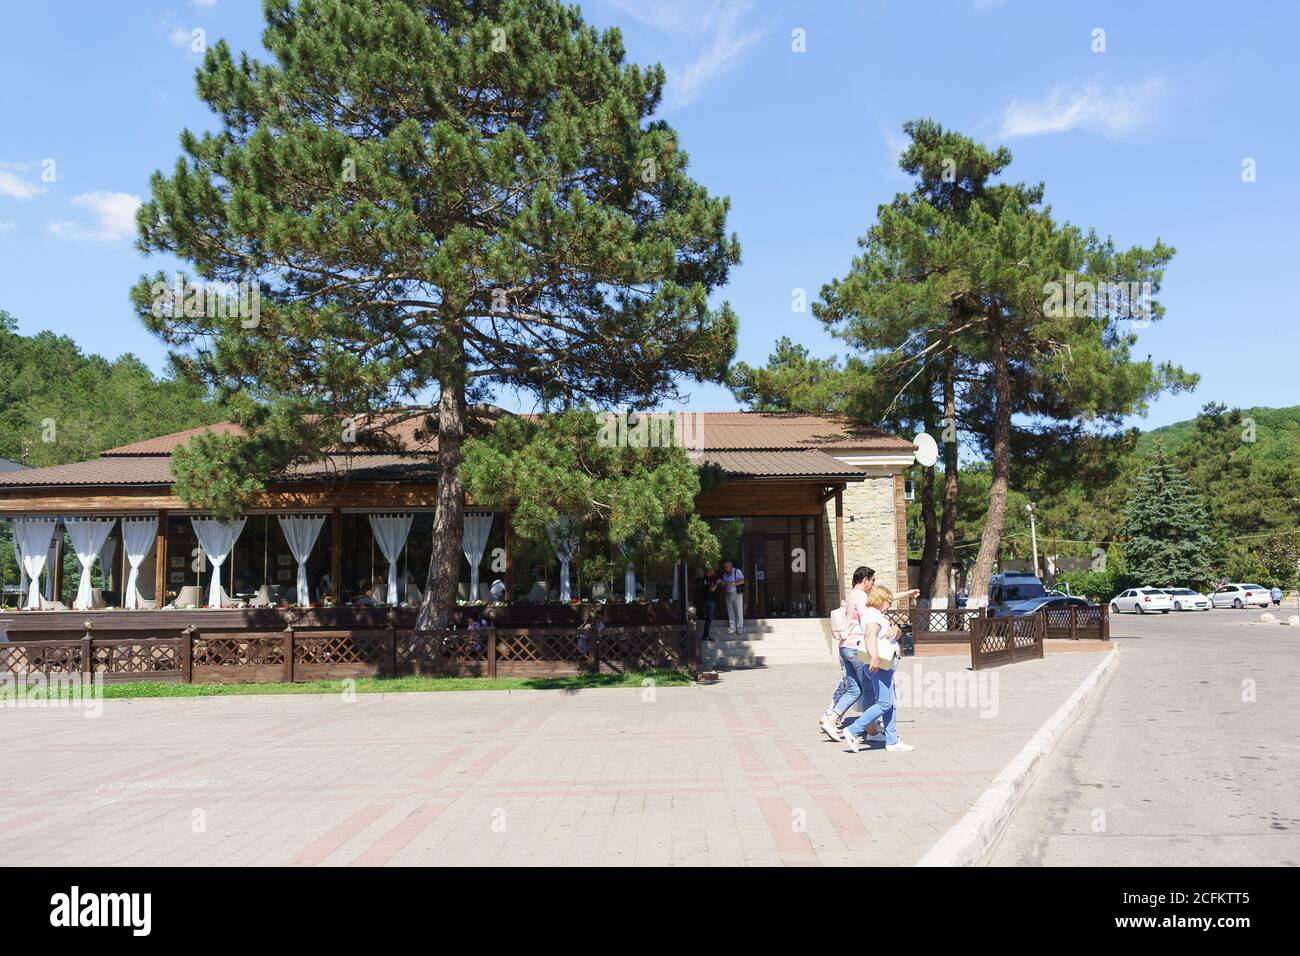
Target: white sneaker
(830, 727)
(851, 739)
(731, 630)
(900, 746)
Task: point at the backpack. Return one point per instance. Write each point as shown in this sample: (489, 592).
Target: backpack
(839, 625)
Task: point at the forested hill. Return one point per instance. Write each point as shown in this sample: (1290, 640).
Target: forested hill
(1276, 434)
(59, 405)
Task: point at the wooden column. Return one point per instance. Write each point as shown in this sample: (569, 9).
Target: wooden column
(336, 554)
(57, 570)
(510, 565)
(160, 560)
(841, 564)
(819, 545)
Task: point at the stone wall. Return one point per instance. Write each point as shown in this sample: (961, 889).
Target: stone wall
(874, 520)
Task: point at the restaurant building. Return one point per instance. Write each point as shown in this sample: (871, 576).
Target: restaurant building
(815, 497)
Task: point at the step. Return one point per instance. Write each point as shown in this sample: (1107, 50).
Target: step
(770, 642)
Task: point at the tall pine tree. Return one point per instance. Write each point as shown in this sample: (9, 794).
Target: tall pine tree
(438, 198)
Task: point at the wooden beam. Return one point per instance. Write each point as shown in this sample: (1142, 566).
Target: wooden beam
(336, 554)
(510, 565)
(160, 560)
(819, 545)
(840, 563)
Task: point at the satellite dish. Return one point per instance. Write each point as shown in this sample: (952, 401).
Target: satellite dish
(927, 450)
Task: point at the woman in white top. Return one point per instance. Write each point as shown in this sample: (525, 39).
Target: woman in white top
(880, 647)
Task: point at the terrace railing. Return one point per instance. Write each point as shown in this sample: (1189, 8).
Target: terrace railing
(305, 654)
(1005, 640)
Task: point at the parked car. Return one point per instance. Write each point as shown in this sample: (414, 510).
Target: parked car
(1141, 601)
(1240, 595)
(1007, 588)
(1034, 605)
(1185, 599)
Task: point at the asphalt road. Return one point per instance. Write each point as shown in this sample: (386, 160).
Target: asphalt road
(1189, 756)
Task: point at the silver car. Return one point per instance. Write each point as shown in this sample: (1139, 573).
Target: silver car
(1142, 601)
(1240, 595)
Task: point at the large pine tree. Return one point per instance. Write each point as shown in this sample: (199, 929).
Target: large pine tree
(1168, 532)
(439, 198)
(951, 295)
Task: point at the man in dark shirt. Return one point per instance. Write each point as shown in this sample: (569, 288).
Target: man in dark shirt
(708, 597)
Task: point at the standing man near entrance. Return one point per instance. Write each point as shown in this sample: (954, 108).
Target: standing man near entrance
(733, 586)
(708, 597)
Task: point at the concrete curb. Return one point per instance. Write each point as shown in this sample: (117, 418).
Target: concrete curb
(975, 834)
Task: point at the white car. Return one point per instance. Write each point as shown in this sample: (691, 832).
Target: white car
(1185, 599)
(1142, 600)
(1240, 595)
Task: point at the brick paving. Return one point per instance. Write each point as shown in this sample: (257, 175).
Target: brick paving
(731, 774)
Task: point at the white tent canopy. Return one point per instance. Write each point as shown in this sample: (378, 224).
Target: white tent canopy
(390, 531)
(138, 536)
(301, 532)
(473, 541)
(88, 536)
(217, 539)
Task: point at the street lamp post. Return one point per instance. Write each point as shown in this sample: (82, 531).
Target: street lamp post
(1033, 535)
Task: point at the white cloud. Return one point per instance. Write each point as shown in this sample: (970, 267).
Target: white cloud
(713, 33)
(203, 4)
(180, 37)
(114, 215)
(8, 226)
(1092, 108)
(15, 186)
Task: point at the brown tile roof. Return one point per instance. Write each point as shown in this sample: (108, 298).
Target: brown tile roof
(753, 431)
(774, 431)
(759, 444)
(781, 464)
(98, 471)
(166, 444)
(144, 470)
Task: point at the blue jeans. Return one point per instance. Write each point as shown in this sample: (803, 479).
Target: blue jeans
(854, 683)
(882, 681)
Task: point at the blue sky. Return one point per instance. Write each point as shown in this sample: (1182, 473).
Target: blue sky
(1144, 140)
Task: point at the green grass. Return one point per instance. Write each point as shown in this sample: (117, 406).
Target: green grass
(398, 685)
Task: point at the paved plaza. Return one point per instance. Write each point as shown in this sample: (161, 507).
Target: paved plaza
(731, 774)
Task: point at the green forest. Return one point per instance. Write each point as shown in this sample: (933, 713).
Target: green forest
(60, 405)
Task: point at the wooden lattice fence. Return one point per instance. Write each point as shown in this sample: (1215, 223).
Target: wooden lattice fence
(295, 655)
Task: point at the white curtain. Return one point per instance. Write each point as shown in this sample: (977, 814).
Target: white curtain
(390, 533)
(301, 531)
(88, 536)
(107, 555)
(563, 533)
(629, 575)
(217, 539)
(138, 536)
(473, 541)
(18, 556)
(35, 537)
